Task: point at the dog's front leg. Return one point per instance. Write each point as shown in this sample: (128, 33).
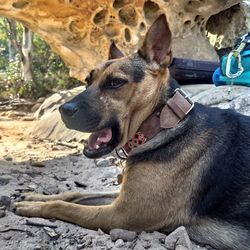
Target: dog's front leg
(86, 198)
(93, 217)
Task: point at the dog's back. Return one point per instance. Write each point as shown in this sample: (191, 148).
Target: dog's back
(225, 189)
(223, 197)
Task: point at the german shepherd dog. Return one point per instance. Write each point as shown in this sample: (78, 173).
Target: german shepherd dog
(186, 164)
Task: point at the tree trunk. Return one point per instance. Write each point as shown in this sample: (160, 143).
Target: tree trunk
(14, 46)
(26, 60)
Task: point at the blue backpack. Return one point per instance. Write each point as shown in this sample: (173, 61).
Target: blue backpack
(235, 67)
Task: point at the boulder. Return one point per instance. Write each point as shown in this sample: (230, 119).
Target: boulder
(238, 99)
(53, 102)
(49, 124)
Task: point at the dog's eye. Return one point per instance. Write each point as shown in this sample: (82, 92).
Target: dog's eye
(115, 83)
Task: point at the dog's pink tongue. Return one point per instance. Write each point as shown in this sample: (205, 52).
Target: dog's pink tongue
(100, 137)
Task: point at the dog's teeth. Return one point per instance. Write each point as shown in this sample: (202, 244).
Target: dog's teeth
(97, 147)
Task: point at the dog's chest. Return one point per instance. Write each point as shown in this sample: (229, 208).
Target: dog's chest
(163, 191)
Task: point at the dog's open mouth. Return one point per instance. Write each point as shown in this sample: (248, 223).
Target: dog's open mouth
(100, 138)
(102, 142)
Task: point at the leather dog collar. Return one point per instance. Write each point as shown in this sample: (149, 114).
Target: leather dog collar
(175, 110)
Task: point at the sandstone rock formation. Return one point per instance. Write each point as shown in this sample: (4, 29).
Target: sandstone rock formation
(225, 27)
(81, 31)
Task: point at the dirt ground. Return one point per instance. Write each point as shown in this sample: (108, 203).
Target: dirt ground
(32, 165)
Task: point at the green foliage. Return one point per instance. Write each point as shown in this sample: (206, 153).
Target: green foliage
(10, 80)
(13, 72)
(3, 45)
(50, 74)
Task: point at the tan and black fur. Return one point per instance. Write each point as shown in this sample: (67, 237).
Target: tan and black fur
(196, 174)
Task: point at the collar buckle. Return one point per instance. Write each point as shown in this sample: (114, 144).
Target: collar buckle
(185, 95)
(176, 109)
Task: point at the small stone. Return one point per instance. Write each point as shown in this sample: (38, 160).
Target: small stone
(40, 100)
(147, 245)
(35, 107)
(5, 179)
(110, 244)
(37, 248)
(37, 164)
(180, 247)
(8, 158)
(125, 235)
(52, 189)
(103, 179)
(178, 237)
(2, 213)
(119, 243)
(72, 241)
(7, 237)
(60, 178)
(80, 184)
(103, 162)
(88, 242)
(100, 232)
(52, 233)
(32, 186)
(139, 246)
(197, 247)
(5, 201)
(154, 236)
(80, 246)
(100, 243)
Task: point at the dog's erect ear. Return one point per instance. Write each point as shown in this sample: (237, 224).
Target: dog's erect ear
(114, 52)
(157, 43)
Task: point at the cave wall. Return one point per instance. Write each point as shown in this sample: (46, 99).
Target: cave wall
(80, 31)
(225, 27)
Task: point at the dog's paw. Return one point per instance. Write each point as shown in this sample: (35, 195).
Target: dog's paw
(32, 197)
(29, 208)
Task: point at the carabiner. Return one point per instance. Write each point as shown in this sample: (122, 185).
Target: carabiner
(228, 65)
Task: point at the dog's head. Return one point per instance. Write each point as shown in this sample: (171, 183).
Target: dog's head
(121, 93)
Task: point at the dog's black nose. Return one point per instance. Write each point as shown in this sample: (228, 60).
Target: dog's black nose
(68, 109)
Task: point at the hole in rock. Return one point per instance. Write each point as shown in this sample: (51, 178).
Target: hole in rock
(187, 23)
(20, 5)
(120, 3)
(127, 35)
(100, 17)
(151, 9)
(128, 15)
(142, 27)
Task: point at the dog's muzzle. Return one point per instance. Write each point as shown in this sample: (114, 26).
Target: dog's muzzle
(83, 112)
